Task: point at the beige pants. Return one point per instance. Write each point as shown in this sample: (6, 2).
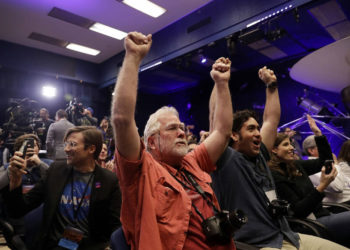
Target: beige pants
(308, 242)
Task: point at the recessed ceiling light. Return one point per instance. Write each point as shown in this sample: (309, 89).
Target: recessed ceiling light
(82, 49)
(146, 7)
(108, 31)
(86, 23)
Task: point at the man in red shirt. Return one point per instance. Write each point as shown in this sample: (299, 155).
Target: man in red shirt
(166, 192)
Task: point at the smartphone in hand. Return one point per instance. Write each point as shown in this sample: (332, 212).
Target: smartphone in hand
(328, 165)
(28, 143)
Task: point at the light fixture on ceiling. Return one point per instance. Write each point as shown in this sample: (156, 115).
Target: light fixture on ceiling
(63, 44)
(86, 23)
(146, 7)
(151, 66)
(108, 31)
(272, 14)
(83, 49)
(48, 91)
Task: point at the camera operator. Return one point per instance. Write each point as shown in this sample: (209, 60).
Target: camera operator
(170, 203)
(83, 116)
(42, 126)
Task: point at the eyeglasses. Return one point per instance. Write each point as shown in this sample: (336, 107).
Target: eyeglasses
(71, 144)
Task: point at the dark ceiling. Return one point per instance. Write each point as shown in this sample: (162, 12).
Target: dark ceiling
(285, 37)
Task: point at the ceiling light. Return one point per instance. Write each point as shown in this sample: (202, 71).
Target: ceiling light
(146, 7)
(82, 49)
(48, 91)
(151, 66)
(268, 16)
(203, 60)
(108, 31)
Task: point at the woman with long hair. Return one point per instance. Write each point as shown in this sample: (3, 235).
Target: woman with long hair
(293, 184)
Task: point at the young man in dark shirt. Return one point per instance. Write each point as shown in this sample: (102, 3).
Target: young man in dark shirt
(243, 180)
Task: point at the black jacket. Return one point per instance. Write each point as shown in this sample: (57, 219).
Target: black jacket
(105, 202)
(299, 190)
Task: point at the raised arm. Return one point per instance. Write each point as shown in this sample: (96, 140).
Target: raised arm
(221, 121)
(272, 112)
(127, 138)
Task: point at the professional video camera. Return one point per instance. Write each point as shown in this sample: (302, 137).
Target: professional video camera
(21, 116)
(75, 106)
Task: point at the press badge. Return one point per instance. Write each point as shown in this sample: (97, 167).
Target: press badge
(71, 238)
(26, 188)
(271, 195)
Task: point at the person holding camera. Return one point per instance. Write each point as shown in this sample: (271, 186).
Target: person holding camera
(36, 169)
(168, 202)
(293, 183)
(243, 179)
(83, 116)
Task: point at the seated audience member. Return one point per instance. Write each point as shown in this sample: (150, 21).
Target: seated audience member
(293, 184)
(191, 142)
(55, 135)
(341, 192)
(102, 157)
(311, 149)
(36, 170)
(203, 135)
(107, 133)
(106, 130)
(42, 126)
(292, 134)
(243, 180)
(167, 197)
(81, 200)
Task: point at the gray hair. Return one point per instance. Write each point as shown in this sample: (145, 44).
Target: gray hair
(309, 142)
(152, 125)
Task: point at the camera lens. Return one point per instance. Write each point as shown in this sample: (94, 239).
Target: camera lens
(238, 218)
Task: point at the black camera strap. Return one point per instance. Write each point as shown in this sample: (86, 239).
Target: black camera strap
(197, 188)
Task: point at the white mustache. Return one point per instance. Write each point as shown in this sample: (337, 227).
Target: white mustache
(181, 141)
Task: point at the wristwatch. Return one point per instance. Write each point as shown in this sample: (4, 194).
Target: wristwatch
(272, 85)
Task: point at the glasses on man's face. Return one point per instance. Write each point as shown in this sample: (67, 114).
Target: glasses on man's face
(70, 144)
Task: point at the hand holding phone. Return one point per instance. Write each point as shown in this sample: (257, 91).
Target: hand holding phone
(328, 165)
(28, 143)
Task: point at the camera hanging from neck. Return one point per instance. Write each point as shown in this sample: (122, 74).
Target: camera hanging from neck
(187, 176)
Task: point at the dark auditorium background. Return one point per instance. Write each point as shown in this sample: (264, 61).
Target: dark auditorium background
(218, 28)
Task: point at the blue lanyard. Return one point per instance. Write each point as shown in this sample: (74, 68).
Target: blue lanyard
(76, 211)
